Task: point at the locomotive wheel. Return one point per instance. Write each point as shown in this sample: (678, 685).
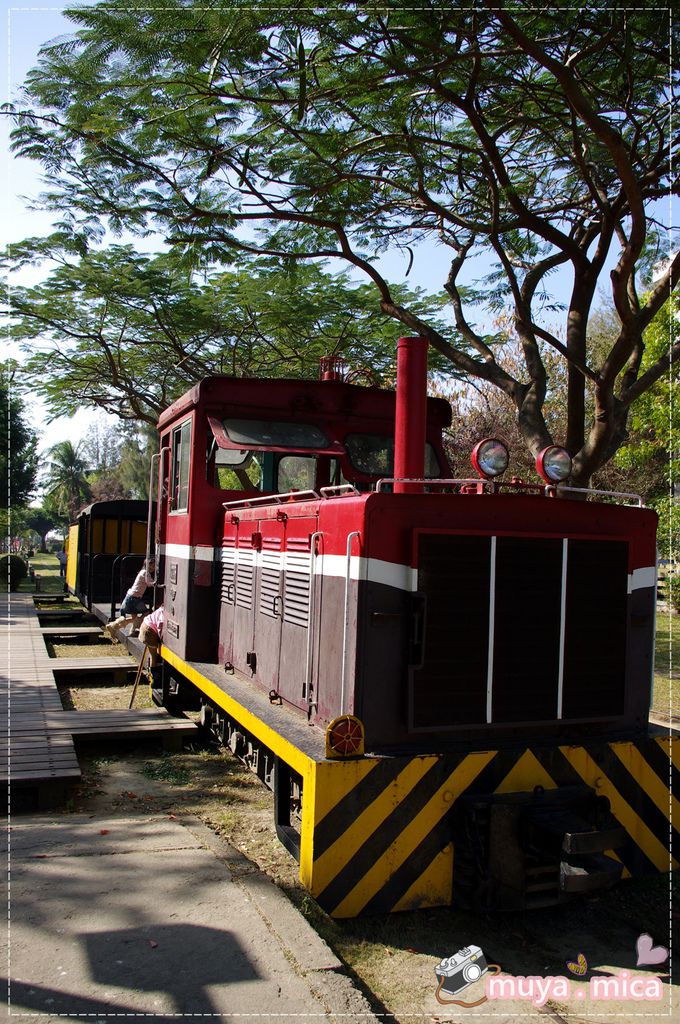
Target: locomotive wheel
(206, 719)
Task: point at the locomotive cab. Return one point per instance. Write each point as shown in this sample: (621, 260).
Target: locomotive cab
(243, 440)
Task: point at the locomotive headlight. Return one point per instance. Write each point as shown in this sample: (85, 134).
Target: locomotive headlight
(490, 457)
(553, 464)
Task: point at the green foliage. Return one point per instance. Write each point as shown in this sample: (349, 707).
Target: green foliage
(129, 333)
(12, 570)
(523, 139)
(18, 449)
(42, 521)
(673, 589)
(668, 532)
(66, 482)
(655, 418)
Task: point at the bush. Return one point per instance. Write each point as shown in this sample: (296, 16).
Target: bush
(673, 590)
(14, 568)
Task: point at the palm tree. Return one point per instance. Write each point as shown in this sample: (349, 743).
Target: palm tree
(66, 483)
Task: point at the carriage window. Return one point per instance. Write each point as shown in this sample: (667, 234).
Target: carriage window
(271, 434)
(181, 460)
(374, 454)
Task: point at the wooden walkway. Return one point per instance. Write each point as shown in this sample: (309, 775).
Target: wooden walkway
(36, 734)
(95, 664)
(30, 757)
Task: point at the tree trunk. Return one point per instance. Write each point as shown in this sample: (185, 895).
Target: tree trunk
(530, 419)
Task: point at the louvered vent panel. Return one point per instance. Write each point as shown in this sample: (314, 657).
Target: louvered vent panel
(297, 587)
(455, 575)
(245, 578)
(228, 570)
(270, 575)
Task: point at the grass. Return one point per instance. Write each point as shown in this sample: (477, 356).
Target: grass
(47, 568)
(667, 663)
(170, 770)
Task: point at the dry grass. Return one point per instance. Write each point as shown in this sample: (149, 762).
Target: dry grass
(85, 648)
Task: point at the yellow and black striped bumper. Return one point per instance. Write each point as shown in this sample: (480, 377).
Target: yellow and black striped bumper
(377, 833)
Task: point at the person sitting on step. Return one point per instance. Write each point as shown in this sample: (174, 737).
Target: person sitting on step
(151, 633)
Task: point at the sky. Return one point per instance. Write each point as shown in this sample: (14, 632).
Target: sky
(24, 29)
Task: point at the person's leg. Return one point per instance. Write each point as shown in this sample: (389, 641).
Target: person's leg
(149, 637)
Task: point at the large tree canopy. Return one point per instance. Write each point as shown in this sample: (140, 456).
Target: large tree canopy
(129, 333)
(518, 139)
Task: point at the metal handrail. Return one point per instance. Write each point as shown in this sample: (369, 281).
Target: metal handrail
(345, 628)
(115, 565)
(495, 484)
(313, 552)
(556, 489)
(340, 491)
(427, 481)
(264, 498)
(154, 457)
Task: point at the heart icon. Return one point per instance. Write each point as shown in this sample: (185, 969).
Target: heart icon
(648, 953)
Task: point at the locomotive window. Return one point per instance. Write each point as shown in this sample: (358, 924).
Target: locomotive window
(296, 473)
(231, 470)
(181, 458)
(272, 434)
(374, 454)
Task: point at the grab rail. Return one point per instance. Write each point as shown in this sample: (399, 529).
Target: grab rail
(278, 498)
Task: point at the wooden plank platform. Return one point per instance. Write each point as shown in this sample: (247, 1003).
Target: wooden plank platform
(101, 663)
(27, 693)
(37, 752)
(67, 630)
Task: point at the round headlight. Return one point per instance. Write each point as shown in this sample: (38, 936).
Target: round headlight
(490, 457)
(553, 464)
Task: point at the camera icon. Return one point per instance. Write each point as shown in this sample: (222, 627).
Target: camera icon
(456, 972)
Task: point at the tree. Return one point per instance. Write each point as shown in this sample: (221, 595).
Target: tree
(101, 447)
(18, 449)
(128, 333)
(655, 419)
(133, 468)
(66, 482)
(532, 138)
(42, 521)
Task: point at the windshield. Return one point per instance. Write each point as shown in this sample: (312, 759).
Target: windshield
(373, 454)
(272, 434)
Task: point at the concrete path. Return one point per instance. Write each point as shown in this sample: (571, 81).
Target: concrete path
(157, 918)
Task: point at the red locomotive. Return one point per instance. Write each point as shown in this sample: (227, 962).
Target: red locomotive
(446, 683)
